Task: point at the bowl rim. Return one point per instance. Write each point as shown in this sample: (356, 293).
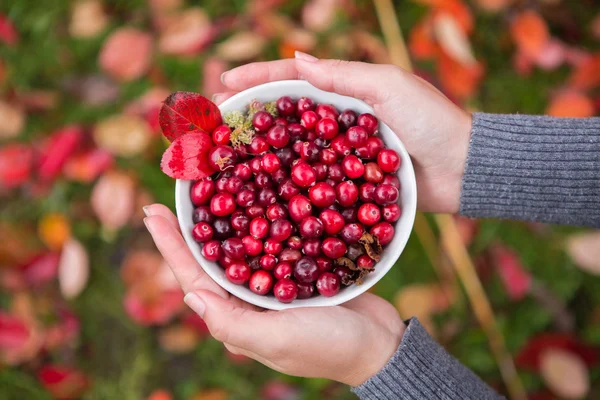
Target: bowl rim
(268, 302)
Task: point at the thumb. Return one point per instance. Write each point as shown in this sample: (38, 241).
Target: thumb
(231, 324)
(372, 83)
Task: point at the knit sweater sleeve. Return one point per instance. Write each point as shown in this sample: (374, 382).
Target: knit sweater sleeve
(533, 168)
(422, 369)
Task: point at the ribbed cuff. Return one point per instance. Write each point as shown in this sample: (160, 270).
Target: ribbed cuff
(533, 168)
(422, 369)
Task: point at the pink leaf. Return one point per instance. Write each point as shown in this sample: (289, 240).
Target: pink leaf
(516, 280)
(318, 15)
(552, 55)
(73, 269)
(113, 198)
(126, 54)
(16, 162)
(13, 332)
(57, 150)
(41, 269)
(187, 34)
(584, 249)
(565, 373)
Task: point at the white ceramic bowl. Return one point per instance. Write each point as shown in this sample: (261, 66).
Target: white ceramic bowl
(408, 197)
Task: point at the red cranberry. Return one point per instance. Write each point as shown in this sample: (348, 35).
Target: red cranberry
(253, 262)
(296, 131)
(271, 246)
(234, 248)
(327, 128)
(221, 184)
(312, 247)
(285, 106)
(222, 228)
(335, 173)
(260, 282)
(322, 195)
(225, 261)
(326, 111)
(386, 194)
(259, 227)
(268, 262)
(212, 250)
(370, 150)
(202, 191)
(294, 242)
(309, 152)
(262, 121)
(303, 175)
(325, 264)
(283, 270)
(297, 147)
(222, 157)
(255, 165)
(373, 173)
(263, 180)
(310, 136)
(351, 233)
(305, 290)
(388, 160)
(347, 193)
(290, 256)
(286, 156)
(249, 186)
(285, 290)
(276, 211)
(384, 231)
(340, 146)
(350, 214)
(304, 104)
(391, 212)
(221, 134)
(309, 120)
(222, 204)
(288, 189)
(258, 145)
(369, 214)
(202, 232)
(278, 136)
(366, 192)
(322, 143)
(306, 270)
(369, 122)
(357, 136)
(347, 119)
(330, 182)
(234, 185)
(311, 227)
(328, 156)
(320, 170)
(345, 274)
(255, 211)
(202, 214)
(245, 198)
(333, 248)
(333, 222)
(281, 121)
(241, 234)
(391, 180)
(281, 229)
(328, 284)
(266, 197)
(299, 207)
(365, 262)
(353, 167)
(238, 272)
(252, 245)
(270, 163)
(240, 221)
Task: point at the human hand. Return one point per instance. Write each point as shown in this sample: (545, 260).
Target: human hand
(435, 131)
(347, 343)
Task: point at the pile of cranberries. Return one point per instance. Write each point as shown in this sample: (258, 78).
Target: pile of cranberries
(284, 209)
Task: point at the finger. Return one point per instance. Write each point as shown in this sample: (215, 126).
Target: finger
(253, 74)
(369, 82)
(177, 254)
(218, 98)
(163, 211)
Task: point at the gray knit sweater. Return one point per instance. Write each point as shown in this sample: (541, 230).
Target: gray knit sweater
(519, 167)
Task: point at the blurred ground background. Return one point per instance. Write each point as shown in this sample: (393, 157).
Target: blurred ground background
(88, 310)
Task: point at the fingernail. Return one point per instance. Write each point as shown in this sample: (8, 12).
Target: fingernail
(146, 210)
(147, 225)
(305, 57)
(195, 303)
(223, 77)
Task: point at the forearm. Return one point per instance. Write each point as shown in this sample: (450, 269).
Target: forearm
(422, 369)
(533, 168)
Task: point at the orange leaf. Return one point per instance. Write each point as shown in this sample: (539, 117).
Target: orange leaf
(459, 11)
(587, 74)
(421, 43)
(530, 32)
(459, 80)
(571, 104)
(54, 230)
(453, 39)
(565, 373)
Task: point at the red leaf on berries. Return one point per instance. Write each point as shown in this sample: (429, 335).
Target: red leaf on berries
(63, 382)
(187, 157)
(529, 357)
(15, 165)
(516, 280)
(185, 112)
(55, 153)
(13, 332)
(8, 33)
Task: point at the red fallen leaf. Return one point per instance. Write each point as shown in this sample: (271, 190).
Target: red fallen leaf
(153, 311)
(87, 166)
(586, 75)
(571, 104)
(56, 151)
(16, 162)
(13, 332)
(63, 382)
(276, 390)
(186, 112)
(530, 32)
(42, 269)
(8, 32)
(516, 280)
(459, 80)
(126, 54)
(187, 157)
(193, 320)
(529, 357)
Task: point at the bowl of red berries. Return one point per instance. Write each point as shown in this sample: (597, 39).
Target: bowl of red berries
(287, 195)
